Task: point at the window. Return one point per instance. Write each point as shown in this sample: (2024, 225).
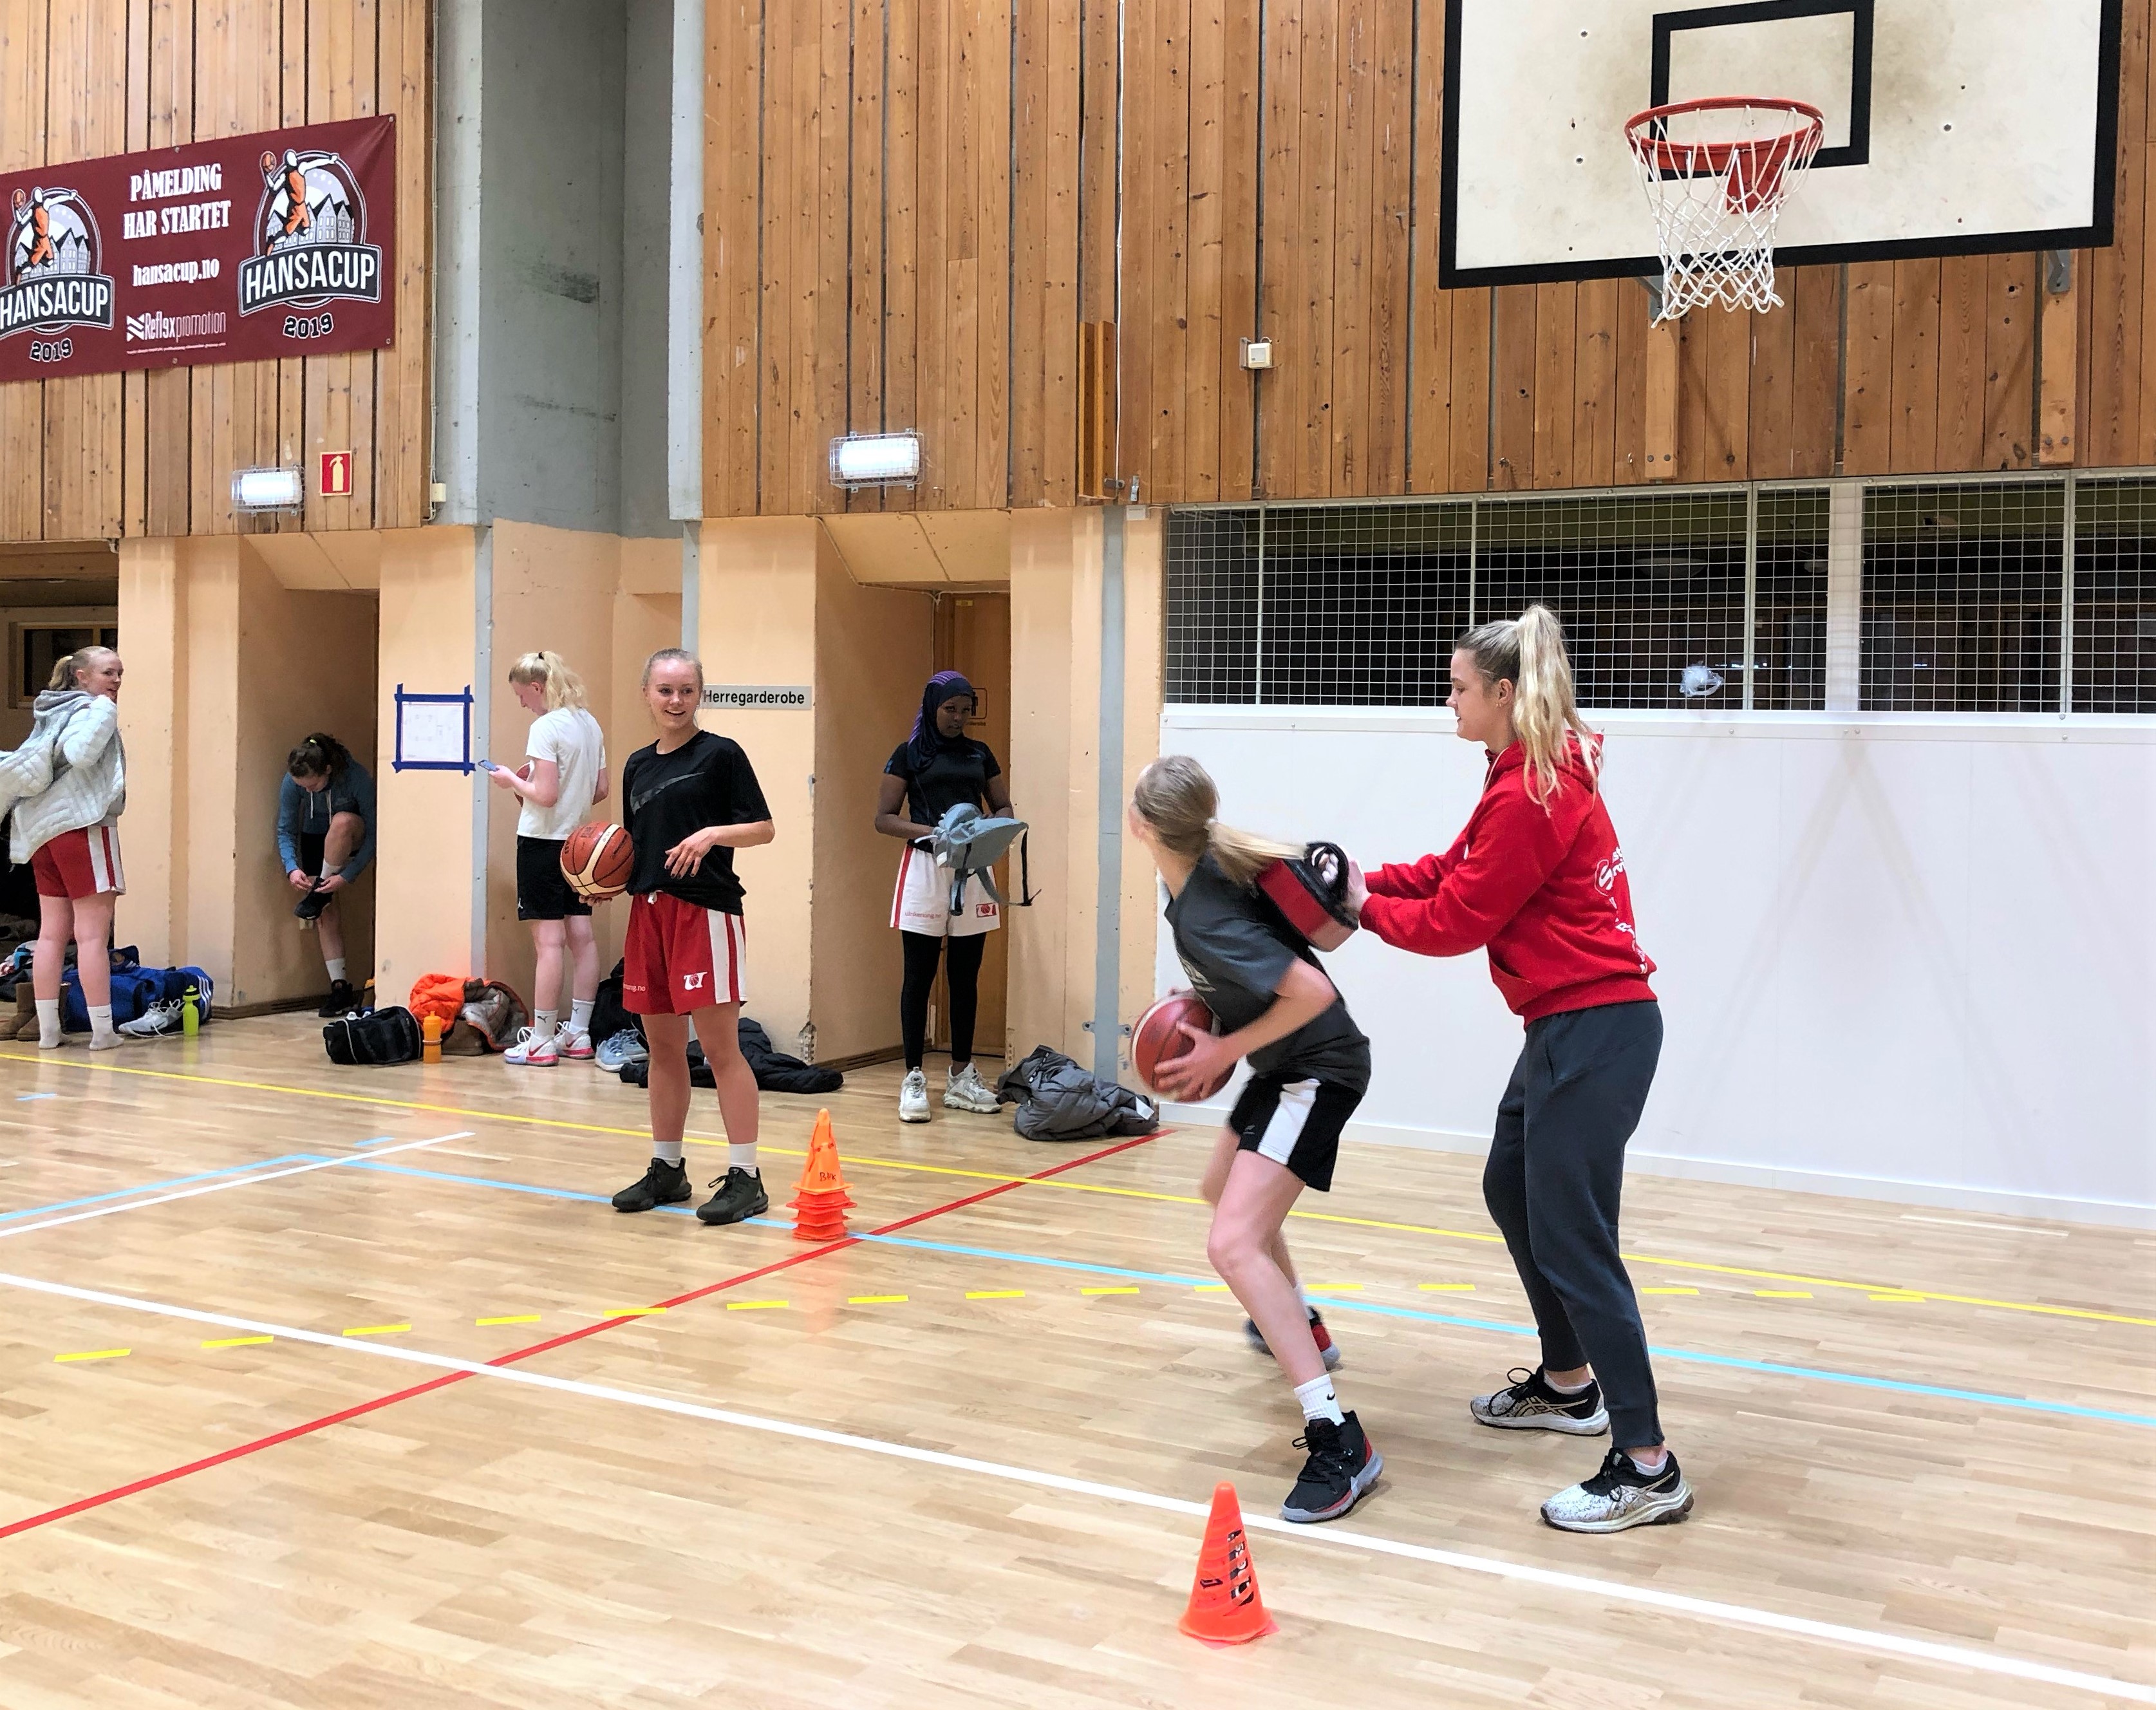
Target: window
(39, 646)
(2114, 596)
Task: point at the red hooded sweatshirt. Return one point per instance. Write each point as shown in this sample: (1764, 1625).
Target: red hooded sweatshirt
(1542, 888)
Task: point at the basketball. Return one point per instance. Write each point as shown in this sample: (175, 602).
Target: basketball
(1158, 1039)
(596, 861)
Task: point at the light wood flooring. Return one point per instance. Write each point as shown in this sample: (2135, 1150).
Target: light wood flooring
(701, 1505)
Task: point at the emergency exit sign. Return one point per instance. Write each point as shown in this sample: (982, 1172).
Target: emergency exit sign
(336, 474)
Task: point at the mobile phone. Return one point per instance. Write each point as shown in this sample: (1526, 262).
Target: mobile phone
(488, 766)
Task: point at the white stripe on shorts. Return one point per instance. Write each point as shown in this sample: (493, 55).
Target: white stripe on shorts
(1296, 1100)
(729, 957)
(104, 846)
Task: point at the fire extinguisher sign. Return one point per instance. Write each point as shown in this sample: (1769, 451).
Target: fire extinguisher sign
(336, 474)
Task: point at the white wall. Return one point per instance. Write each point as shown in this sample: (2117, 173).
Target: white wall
(1904, 957)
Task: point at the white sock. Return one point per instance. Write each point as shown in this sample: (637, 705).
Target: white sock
(1638, 1457)
(580, 1014)
(101, 1021)
(544, 1022)
(742, 1158)
(1318, 1401)
(49, 1022)
(666, 1151)
(1568, 1389)
(335, 965)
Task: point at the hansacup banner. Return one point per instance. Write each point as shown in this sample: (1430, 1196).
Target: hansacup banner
(233, 249)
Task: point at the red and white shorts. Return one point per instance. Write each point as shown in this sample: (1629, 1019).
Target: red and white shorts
(678, 959)
(921, 902)
(80, 864)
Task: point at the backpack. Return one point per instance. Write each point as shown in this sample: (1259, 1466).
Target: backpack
(1309, 893)
(608, 1017)
(135, 988)
(177, 980)
(970, 843)
(390, 1035)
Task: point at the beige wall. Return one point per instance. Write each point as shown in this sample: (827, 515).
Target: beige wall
(152, 916)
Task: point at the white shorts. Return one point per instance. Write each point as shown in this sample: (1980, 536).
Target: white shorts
(922, 901)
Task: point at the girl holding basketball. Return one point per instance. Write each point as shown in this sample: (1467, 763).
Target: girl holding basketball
(1536, 880)
(692, 800)
(564, 772)
(1309, 1067)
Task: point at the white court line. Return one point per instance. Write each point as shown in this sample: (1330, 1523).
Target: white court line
(1735, 1615)
(297, 1169)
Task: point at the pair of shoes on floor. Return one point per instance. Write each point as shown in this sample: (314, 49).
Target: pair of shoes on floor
(342, 1000)
(620, 1050)
(963, 1089)
(1622, 1494)
(740, 1195)
(1328, 1349)
(536, 1050)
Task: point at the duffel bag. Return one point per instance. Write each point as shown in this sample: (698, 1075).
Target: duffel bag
(390, 1035)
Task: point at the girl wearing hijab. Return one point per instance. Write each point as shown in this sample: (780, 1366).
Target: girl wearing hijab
(932, 770)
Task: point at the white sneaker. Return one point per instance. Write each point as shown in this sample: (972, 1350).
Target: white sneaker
(962, 1091)
(573, 1043)
(161, 1017)
(1621, 1496)
(913, 1097)
(530, 1050)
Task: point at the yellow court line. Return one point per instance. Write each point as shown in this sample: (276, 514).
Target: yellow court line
(630, 1312)
(1446, 1287)
(379, 1330)
(876, 1300)
(995, 1294)
(239, 1342)
(752, 1305)
(1457, 1235)
(95, 1354)
(1107, 1291)
(514, 1318)
(1210, 1288)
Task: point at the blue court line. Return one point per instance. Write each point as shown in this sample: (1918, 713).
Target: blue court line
(378, 1140)
(1337, 1303)
(152, 1186)
(30, 1097)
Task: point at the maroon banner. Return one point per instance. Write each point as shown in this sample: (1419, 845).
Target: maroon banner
(234, 249)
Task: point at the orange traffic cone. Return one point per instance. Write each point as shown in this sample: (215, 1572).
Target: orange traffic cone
(1224, 1605)
(819, 1206)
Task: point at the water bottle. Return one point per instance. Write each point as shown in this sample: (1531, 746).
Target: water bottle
(430, 1031)
(191, 1012)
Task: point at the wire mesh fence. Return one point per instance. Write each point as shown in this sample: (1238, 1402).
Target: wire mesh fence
(1707, 598)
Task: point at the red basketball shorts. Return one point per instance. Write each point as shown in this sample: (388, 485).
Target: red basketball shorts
(678, 957)
(78, 864)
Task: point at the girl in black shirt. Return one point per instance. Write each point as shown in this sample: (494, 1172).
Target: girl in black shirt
(934, 770)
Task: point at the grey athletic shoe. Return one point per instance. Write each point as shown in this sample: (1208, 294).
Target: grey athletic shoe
(963, 1090)
(1621, 1496)
(620, 1050)
(1530, 1404)
(913, 1097)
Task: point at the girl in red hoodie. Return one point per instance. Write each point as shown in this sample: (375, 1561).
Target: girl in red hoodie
(1536, 880)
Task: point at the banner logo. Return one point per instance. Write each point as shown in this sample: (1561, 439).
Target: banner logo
(310, 234)
(52, 281)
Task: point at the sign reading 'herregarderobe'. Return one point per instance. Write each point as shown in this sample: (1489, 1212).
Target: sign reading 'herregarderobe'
(240, 248)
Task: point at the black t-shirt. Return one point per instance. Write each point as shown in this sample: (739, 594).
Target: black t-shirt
(707, 781)
(959, 772)
(1235, 953)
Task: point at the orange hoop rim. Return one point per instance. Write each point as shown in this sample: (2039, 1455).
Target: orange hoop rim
(1667, 157)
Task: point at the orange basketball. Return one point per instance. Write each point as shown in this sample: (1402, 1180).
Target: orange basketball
(1158, 1039)
(596, 861)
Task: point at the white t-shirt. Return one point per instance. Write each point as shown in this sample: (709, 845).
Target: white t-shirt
(571, 738)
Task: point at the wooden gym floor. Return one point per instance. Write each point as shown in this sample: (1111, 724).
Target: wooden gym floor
(253, 1455)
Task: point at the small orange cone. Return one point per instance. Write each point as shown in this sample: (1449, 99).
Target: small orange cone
(821, 1200)
(1224, 1606)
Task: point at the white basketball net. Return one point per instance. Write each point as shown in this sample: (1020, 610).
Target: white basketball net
(1716, 173)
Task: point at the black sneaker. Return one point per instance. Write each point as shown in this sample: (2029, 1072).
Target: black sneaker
(740, 1195)
(663, 1183)
(1530, 1404)
(1621, 1496)
(342, 1000)
(1328, 1350)
(1342, 1465)
(312, 904)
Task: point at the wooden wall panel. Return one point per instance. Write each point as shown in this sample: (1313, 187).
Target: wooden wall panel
(152, 452)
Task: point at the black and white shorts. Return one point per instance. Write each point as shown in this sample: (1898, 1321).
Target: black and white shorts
(542, 894)
(1296, 1124)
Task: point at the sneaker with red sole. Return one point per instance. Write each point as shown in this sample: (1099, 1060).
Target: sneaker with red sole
(1328, 1350)
(530, 1050)
(574, 1045)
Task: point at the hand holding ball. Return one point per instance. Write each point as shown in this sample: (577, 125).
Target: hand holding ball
(596, 861)
(1159, 1039)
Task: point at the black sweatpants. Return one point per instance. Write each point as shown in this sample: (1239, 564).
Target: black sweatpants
(1555, 1176)
(922, 954)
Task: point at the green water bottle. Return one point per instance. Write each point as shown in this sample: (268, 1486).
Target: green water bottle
(191, 1012)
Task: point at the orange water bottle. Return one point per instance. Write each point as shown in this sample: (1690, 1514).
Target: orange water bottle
(430, 1030)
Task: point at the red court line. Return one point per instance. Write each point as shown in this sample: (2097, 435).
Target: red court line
(84, 1503)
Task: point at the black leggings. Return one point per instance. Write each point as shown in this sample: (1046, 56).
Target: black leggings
(1553, 1183)
(921, 953)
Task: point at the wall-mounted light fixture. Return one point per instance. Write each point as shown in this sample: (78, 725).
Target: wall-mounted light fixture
(267, 489)
(876, 460)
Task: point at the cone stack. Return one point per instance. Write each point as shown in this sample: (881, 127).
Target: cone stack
(1224, 1606)
(819, 1205)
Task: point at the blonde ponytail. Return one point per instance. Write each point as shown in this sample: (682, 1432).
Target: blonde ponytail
(1177, 797)
(1530, 653)
(562, 686)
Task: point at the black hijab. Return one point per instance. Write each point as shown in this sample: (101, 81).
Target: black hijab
(927, 742)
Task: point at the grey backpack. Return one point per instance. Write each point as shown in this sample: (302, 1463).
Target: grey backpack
(969, 843)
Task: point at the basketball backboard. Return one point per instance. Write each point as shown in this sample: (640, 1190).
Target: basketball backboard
(1953, 126)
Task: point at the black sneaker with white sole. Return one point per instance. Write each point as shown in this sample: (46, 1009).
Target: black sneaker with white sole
(663, 1183)
(1342, 1465)
(1328, 1350)
(741, 1196)
(1530, 1404)
(1621, 1496)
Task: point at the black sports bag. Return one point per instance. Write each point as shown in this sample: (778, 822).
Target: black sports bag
(390, 1035)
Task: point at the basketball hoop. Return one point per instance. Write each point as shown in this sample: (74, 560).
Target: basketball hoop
(1716, 173)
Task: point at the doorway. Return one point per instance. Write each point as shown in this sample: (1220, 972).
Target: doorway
(971, 636)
